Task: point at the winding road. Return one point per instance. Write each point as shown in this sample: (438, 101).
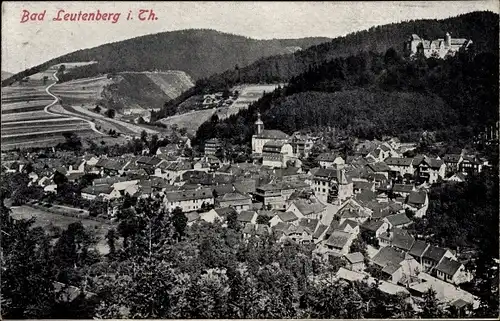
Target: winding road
(56, 100)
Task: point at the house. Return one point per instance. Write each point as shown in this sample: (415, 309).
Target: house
(330, 185)
(418, 202)
(445, 292)
(275, 195)
(276, 154)
(374, 228)
(339, 242)
(235, 200)
(245, 217)
(470, 165)
(90, 159)
(77, 167)
(48, 184)
(192, 217)
(171, 171)
(92, 192)
(329, 160)
(403, 189)
(264, 136)
(360, 186)
(283, 217)
(355, 261)
(433, 256)
(452, 271)
(169, 150)
(305, 208)
(400, 166)
(352, 209)
(378, 168)
(395, 264)
(401, 239)
(301, 146)
(222, 212)
(457, 178)
(258, 230)
(452, 162)
(437, 48)
(398, 220)
(188, 200)
(417, 251)
(318, 235)
(148, 162)
(430, 169)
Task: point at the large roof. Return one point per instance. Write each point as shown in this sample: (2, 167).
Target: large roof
(418, 248)
(398, 219)
(448, 267)
(388, 255)
(272, 134)
(178, 196)
(434, 253)
(338, 239)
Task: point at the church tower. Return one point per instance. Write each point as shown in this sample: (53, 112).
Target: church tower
(259, 125)
(447, 40)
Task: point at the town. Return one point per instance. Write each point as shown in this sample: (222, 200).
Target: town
(195, 173)
(371, 197)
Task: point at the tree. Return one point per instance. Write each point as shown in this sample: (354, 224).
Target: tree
(111, 237)
(144, 136)
(110, 113)
(263, 219)
(430, 306)
(232, 221)
(97, 109)
(62, 69)
(179, 221)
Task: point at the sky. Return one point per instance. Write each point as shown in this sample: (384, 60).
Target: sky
(33, 42)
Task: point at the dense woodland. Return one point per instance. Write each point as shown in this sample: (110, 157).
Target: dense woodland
(198, 52)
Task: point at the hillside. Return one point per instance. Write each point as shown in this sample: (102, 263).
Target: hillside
(6, 74)
(370, 95)
(127, 91)
(198, 52)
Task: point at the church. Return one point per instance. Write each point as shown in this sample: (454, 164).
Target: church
(272, 145)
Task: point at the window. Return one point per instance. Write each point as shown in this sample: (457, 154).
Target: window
(324, 191)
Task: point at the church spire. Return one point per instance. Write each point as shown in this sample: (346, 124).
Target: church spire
(259, 125)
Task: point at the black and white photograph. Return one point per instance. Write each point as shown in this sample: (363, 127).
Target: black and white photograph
(249, 160)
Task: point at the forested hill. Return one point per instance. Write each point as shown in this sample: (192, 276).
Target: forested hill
(198, 52)
(370, 95)
(481, 27)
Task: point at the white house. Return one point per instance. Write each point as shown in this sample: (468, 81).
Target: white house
(276, 154)
(188, 200)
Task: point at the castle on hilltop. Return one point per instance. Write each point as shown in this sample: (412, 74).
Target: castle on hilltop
(438, 48)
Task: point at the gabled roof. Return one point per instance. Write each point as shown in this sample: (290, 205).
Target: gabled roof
(398, 161)
(355, 257)
(223, 189)
(418, 248)
(309, 224)
(417, 197)
(234, 197)
(402, 188)
(432, 162)
(379, 167)
(372, 225)
(319, 230)
(448, 267)
(307, 208)
(224, 211)
(327, 157)
(363, 185)
(97, 190)
(398, 219)
(388, 255)
(192, 216)
(451, 158)
(246, 216)
(402, 239)
(434, 253)
(272, 134)
(287, 216)
(184, 195)
(338, 239)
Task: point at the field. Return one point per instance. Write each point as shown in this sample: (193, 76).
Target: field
(193, 119)
(30, 117)
(45, 219)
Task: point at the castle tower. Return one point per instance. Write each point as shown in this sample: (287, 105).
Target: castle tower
(447, 40)
(259, 125)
